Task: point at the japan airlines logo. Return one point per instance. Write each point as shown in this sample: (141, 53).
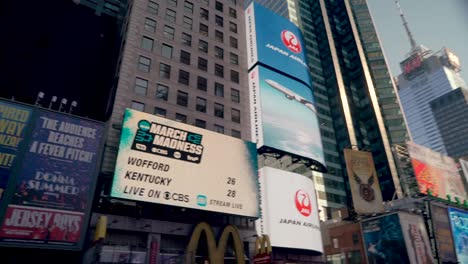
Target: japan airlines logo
(303, 203)
(291, 41)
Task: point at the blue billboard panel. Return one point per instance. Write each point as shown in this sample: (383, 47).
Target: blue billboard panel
(274, 41)
(459, 223)
(54, 182)
(14, 121)
(284, 114)
(384, 241)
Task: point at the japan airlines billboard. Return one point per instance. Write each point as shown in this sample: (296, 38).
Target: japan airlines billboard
(289, 210)
(167, 162)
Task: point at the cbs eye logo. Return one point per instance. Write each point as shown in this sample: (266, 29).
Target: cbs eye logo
(303, 203)
(291, 41)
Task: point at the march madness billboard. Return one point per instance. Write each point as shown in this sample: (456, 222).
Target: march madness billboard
(167, 162)
(289, 210)
(275, 41)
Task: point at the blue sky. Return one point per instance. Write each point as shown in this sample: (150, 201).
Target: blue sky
(434, 24)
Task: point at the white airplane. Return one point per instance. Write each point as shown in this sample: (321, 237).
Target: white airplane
(291, 95)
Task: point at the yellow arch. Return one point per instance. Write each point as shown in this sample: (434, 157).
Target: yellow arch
(215, 253)
(262, 245)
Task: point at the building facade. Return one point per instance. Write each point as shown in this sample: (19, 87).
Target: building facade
(450, 113)
(355, 94)
(425, 77)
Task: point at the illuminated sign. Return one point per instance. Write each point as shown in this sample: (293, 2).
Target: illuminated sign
(459, 223)
(412, 64)
(167, 162)
(289, 210)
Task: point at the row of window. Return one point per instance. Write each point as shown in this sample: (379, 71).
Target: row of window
(183, 118)
(153, 6)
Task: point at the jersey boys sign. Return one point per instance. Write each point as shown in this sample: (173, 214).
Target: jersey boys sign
(289, 210)
(167, 162)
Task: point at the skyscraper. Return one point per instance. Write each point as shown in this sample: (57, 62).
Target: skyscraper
(354, 92)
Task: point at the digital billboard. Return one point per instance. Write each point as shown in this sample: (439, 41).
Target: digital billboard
(384, 241)
(459, 224)
(284, 114)
(53, 181)
(167, 162)
(289, 210)
(416, 238)
(436, 172)
(275, 41)
(14, 119)
(364, 182)
(443, 234)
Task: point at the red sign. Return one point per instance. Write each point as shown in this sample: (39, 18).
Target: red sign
(153, 257)
(413, 64)
(291, 41)
(264, 258)
(303, 203)
(29, 224)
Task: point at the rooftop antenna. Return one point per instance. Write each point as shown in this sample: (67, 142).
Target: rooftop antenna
(405, 24)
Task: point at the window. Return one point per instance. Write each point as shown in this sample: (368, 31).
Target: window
(233, 42)
(160, 112)
(141, 86)
(235, 115)
(200, 123)
(147, 43)
(185, 57)
(236, 133)
(202, 64)
(234, 76)
(138, 106)
(204, 14)
(219, 89)
(206, 2)
(164, 71)
(219, 129)
(182, 98)
(219, 36)
(202, 83)
(166, 51)
(144, 64)
(219, 21)
(219, 70)
(186, 39)
(235, 95)
(184, 77)
(171, 15)
(162, 92)
(233, 58)
(203, 29)
(181, 118)
(233, 27)
(202, 46)
(232, 13)
(150, 25)
(219, 110)
(188, 7)
(219, 6)
(219, 52)
(172, 2)
(168, 32)
(153, 7)
(233, 2)
(187, 22)
(201, 105)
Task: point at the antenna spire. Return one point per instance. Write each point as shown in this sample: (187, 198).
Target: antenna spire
(405, 24)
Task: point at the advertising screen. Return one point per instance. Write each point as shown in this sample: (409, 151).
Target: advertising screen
(459, 223)
(443, 234)
(289, 210)
(436, 172)
(275, 41)
(363, 181)
(14, 121)
(54, 181)
(416, 238)
(284, 114)
(384, 241)
(167, 162)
